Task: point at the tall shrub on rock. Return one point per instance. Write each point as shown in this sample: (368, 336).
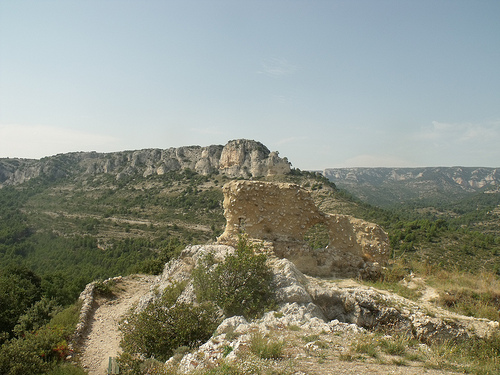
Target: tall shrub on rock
(165, 325)
(239, 285)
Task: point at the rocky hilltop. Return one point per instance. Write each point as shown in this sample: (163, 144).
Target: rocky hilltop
(320, 322)
(238, 158)
(389, 186)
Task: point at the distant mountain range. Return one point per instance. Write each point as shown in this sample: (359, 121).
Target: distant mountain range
(383, 187)
(387, 187)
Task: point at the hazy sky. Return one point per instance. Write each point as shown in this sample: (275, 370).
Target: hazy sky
(326, 83)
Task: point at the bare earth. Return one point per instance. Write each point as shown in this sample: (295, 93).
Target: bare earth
(103, 339)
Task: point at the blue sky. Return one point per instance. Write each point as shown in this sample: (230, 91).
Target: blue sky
(326, 83)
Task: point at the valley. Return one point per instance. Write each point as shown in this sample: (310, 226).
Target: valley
(70, 219)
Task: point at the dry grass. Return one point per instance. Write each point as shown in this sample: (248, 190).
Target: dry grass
(476, 295)
(470, 294)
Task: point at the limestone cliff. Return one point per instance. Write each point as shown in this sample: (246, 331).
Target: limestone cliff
(238, 158)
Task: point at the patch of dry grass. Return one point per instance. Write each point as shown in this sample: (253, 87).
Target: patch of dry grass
(476, 295)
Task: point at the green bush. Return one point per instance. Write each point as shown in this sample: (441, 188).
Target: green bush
(42, 350)
(240, 285)
(165, 325)
(317, 237)
(104, 289)
(19, 289)
(35, 353)
(38, 315)
(68, 318)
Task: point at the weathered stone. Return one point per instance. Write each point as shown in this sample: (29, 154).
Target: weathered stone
(283, 213)
(315, 306)
(238, 158)
(288, 283)
(247, 158)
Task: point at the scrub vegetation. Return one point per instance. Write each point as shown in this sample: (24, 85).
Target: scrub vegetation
(57, 235)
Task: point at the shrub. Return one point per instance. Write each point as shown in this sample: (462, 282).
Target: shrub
(34, 353)
(41, 350)
(39, 314)
(103, 289)
(317, 236)
(21, 356)
(240, 285)
(165, 325)
(67, 319)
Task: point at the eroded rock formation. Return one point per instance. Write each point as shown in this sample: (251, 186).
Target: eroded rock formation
(283, 213)
(238, 158)
(315, 306)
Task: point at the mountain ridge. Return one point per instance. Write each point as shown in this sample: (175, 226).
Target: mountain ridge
(238, 158)
(389, 186)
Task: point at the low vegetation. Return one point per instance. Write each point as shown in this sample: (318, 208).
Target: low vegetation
(58, 235)
(238, 285)
(42, 348)
(476, 295)
(164, 326)
(265, 347)
(471, 357)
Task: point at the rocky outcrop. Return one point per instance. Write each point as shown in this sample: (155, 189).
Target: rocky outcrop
(283, 213)
(253, 158)
(238, 158)
(315, 306)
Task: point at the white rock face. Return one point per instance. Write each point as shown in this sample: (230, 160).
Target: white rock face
(238, 158)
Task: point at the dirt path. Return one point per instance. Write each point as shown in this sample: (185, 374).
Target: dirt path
(103, 339)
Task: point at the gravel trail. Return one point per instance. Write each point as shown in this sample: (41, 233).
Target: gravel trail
(103, 339)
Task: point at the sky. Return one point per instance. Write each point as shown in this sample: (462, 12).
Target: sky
(326, 83)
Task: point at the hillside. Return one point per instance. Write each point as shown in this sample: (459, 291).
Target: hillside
(95, 215)
(390, 187)
(73, 218)
(238, 158)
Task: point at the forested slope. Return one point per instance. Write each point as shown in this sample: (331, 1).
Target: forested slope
(58, 233)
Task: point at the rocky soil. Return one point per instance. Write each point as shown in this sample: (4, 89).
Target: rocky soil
(320, 321)
(103, 338)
